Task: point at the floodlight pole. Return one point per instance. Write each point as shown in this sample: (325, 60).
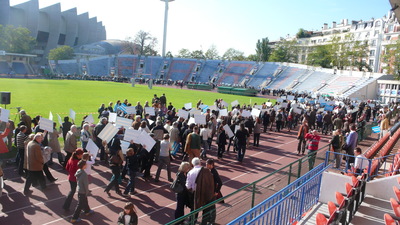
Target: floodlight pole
(165, 26)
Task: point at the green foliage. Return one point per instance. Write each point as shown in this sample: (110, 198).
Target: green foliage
(84, 97)
(285, 51)
(320, 56)
(392, 59)
(184, 53)
(169, 55)
(142, 44)
(263, 50)
(212, 53)
(197, 54)
(16, 40)
(302, 34)
(234, 55)
(61, 53)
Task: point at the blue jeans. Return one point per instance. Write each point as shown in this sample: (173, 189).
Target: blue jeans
(130, 187)
(205, 148)
(241, 150)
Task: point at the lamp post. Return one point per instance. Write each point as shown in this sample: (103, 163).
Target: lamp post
(165, 25)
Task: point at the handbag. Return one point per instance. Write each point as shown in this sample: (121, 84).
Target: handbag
(176, 186)
(115, 159)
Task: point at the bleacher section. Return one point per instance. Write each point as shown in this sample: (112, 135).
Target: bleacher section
(266, 71)
(235, 72)
(286, 77)
(99, 66)
(127, 65)
(4, 68)
(340, 84)
(152, 65)
(313, 81)
(208, 69)
(68, 67)
(19, 68)
(180, 69)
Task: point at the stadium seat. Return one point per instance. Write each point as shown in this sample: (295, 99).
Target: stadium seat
(396, 192)
(389, 220)
(321, 219)
(395, 206)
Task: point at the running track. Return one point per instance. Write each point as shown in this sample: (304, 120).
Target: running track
(154, 202)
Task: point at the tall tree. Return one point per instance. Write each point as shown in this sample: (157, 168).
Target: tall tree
(197, 54)
(285, 51)
(302, 34)
(320, 56)
(184, 53)
(142, 44)
(263, 50)
(392, 59)
(212, 53)
(169, 55)
(233, 54)
(61, 53)
(16, 40)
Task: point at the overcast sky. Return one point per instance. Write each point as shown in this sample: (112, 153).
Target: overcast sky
(198, 24)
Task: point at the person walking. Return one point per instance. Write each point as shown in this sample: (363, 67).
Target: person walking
(301, 146)
(116, 159)
(257, 132)
(335, 143)
(83, 192)
(72, 167)
(71, 143)
(164, 159)
(241, 135)
(35, 164)
(193, 144)
(221, 142)
(313, 141)
(182, 197)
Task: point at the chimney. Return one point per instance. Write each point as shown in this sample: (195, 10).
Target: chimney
(345, 22)
(333, 24)
(325, 26)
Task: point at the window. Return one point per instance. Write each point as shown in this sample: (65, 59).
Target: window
(378, 23)
(373, 43)
(372, 53)
(371, 63)
(390, 28)
(387, 38)
(376, 33)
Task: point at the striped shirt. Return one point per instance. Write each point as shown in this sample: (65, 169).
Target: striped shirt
(21, 137)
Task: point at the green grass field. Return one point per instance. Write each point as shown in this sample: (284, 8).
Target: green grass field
(39, 97)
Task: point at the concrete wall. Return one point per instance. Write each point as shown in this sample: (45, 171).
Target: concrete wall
(83, 30)
(369, 91)
(54, 15)
(332, 182)
(383, 187)
(4, 12)
(31, 17)
(72, 26)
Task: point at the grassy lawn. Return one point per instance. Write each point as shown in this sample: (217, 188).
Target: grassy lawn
(39, 97)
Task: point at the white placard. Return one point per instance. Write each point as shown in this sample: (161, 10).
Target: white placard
(258, 107)
(123, 122)
(213, 107)
(255, 112)
(132, 135)
(5, 113)
(51, 116)
(279, 100)
(228, 131)
(183, 113)
(297, 110)
(237, 127)
(46, 124)
(223, 112)
(195, 112)
(92, 148)
(72, 114)
(89, 119)
(112, 118)
(269, 104)
(225, 104)
(191, 120)
(200, 119)
(235, 103)
(246, 113)
(130, 110)
(283, 97)
(371, 105)
(277, 107)
(290, 97)
(150, 111)
(108, 132)
(284, 105)
(150, 121)
(146, 140)
(188, 105)
(124, 146)
(59, 119)
(202, 106)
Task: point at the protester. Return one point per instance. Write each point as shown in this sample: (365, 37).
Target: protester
(242, 134)
(128, 216)
(35, 164)
(116, 159)
(71, 143)
(72, 167)
(164, 159)
(313, 141)
(182, 198)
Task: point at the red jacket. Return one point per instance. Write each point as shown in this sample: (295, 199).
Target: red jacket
(3, 146)
(72, 167)
(313, 141)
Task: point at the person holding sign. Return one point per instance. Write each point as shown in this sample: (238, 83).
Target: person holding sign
(221, 141)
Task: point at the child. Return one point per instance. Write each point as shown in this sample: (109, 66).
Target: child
(128, 216)
(89, 162)
(83, 191)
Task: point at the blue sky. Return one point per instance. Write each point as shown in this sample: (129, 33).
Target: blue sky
(198, 24)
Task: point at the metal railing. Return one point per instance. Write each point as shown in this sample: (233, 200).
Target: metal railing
(263, 206)
(291, 208)
(245, 198)
(346, 164)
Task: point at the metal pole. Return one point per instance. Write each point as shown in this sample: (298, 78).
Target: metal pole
(165, 27)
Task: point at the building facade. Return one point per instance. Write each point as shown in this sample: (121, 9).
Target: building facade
(51, 27)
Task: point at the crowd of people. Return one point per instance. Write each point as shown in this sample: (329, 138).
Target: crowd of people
(180, 137)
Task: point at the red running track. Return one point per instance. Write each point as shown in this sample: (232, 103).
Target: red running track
(154, 202)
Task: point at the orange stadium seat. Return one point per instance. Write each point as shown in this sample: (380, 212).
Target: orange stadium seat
(389, 220)
(396, 192)
(395, 206)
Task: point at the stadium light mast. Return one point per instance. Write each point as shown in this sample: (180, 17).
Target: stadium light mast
(165, 26)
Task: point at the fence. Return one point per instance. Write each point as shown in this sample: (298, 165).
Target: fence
(291, 208)
(263, 206)
(245, 198)
(346, 164)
